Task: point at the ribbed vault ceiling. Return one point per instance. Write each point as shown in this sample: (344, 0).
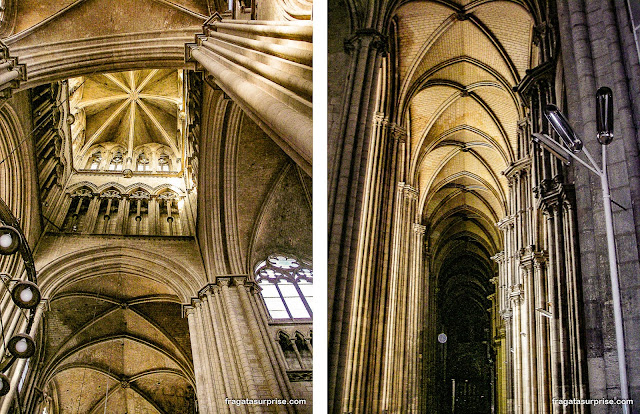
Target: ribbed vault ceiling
(118, 342)
(457, 63)
(128, 109)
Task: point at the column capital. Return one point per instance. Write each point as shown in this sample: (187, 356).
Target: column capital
(12, 73)
(498, 257)
(379, 118)
(419, 228)
(367, 37)
(398, 132)
(505, 222)
(225, 280)
(506, 314)
(516, 293)
(189, 309)
(409, 191)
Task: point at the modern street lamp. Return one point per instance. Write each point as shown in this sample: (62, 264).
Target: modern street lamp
(572, 146)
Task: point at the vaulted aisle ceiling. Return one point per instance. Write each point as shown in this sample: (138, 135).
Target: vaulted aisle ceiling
(457, 64)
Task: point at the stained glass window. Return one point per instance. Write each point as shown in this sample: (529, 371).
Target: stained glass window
(287, 287)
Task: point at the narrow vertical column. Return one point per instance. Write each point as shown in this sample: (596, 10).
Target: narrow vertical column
(556, 383)
(349, 177)
(153, 215)
(125, 203)
(215, 352)
(198, 365)
(390, 377)
(530, 324)
(542, 335)
(416, 297)
(516, 301)
(92, 214)
(227, 356)
(239, 345)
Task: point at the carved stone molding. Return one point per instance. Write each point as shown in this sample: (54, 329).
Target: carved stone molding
(300, 375)
(367, 37)
(398, 133)
(226, 280)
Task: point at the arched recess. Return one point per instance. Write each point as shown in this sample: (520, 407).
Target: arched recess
(79, 264)
(56, 43)
(115, 335)
(17, 172)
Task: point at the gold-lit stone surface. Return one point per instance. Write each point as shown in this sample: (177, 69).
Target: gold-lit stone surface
(128, 109)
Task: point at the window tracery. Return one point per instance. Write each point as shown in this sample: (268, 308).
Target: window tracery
(78, 208)
(287, 287)
(109, 205)
(95, 160)
(164, 163)
(117, 161)
(169, 212)
(142, 163)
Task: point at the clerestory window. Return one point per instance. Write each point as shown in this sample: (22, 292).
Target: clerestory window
(287, 287)
(116, 161)
(94, 162)
(143, 163)
(163, 163)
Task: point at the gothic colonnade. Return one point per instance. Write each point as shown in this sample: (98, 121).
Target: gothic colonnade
(383, 322)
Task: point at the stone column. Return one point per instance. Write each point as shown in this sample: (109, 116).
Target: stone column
(248, 69)
(415, 321)
(542, 333)
(92, 214)
(233, 355)
(347, 177)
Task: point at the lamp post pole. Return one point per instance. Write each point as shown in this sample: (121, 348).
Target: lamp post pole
(573, 144)
(615, 286)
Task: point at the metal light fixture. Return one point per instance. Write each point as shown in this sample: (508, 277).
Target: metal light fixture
(604, 120)
(21, 346)
(9, 240)
(552, 146)
(24, 293)
(562, 127)
(5, 385)
(604, 115)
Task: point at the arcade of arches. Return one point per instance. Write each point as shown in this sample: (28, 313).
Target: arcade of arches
(164, 186)
(467, 269)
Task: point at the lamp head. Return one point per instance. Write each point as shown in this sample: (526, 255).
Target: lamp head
(9, 240)
(26, 295)
(552, 146)
(561, 125)
(604, 115)
(5, 385)
(21, 346)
